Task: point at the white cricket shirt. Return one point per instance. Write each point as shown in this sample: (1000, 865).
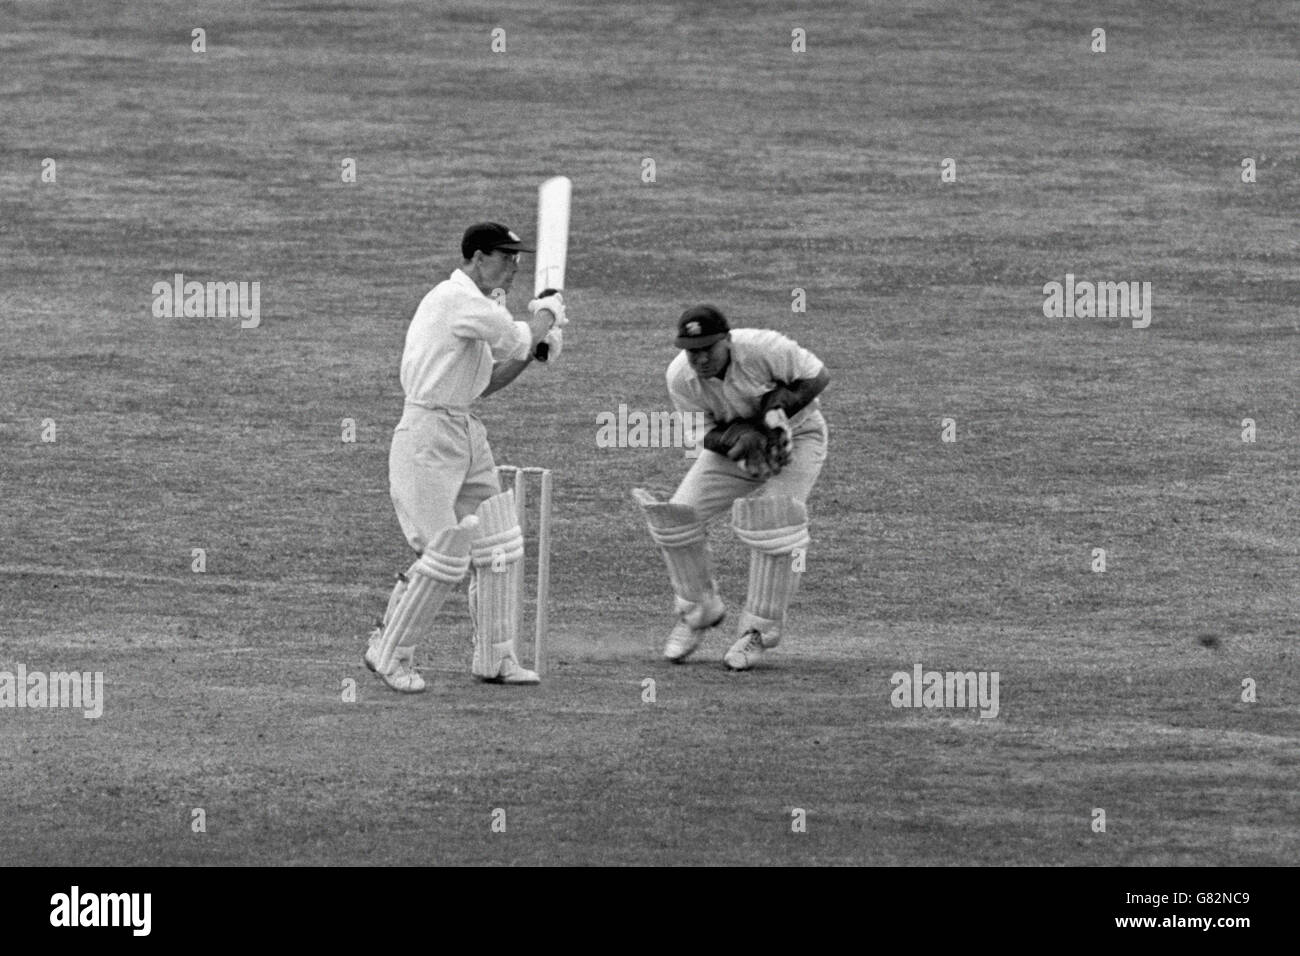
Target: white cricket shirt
(456, 335)
(760, 360)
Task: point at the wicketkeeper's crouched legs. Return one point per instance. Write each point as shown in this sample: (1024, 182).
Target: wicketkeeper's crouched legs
(417, 598)
(773, 527)
(498, 556)
(680, 535)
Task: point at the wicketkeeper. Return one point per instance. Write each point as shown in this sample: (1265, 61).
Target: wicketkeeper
(462, 344)
(764, 446)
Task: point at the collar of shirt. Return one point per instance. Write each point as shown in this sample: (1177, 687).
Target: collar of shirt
(462, 279)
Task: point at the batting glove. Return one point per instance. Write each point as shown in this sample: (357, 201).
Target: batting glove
(554, 341)
(552, 303)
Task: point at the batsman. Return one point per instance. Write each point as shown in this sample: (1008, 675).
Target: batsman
(756, 394)
(462, 344)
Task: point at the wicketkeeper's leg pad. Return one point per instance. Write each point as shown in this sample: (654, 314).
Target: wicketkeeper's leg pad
(679, 533)
(414, 605)
(498, 556)
(773, 527)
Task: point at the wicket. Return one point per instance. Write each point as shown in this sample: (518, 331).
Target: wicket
(543, 553)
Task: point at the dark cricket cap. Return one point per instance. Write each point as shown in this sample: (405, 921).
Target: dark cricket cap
(488, 237)
(700, 326)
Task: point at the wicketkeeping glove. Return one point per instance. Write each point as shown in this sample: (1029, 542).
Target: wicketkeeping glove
(758, 465)
(780, 445)
(750, 441)
(751, 451)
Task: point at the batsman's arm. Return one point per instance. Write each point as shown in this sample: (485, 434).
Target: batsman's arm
(507, 370)
(503, 373)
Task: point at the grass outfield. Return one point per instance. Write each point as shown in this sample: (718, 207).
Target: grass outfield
(774, 171)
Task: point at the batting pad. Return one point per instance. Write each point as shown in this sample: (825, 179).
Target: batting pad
(773, 527)
(680, 535)
(395, 598)
(428, 582)
(498, 556)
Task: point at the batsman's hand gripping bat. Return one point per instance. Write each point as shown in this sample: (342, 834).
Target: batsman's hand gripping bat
(552, 243)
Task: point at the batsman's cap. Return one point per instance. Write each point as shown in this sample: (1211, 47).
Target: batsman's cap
(488, 237)
(700, 326)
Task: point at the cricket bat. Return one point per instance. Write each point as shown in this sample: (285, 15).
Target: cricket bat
(552, 242)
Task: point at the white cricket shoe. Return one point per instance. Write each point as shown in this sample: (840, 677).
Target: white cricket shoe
(402, 675)
(746, 652)
(512, 672)
(683, 641)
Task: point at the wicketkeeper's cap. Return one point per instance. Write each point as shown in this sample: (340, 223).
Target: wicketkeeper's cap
(700, 326)
(488, 237)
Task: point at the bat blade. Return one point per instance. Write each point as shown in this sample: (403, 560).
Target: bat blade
(552, 241)
(552, 233)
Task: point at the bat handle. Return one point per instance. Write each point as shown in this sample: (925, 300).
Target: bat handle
(543, 350)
